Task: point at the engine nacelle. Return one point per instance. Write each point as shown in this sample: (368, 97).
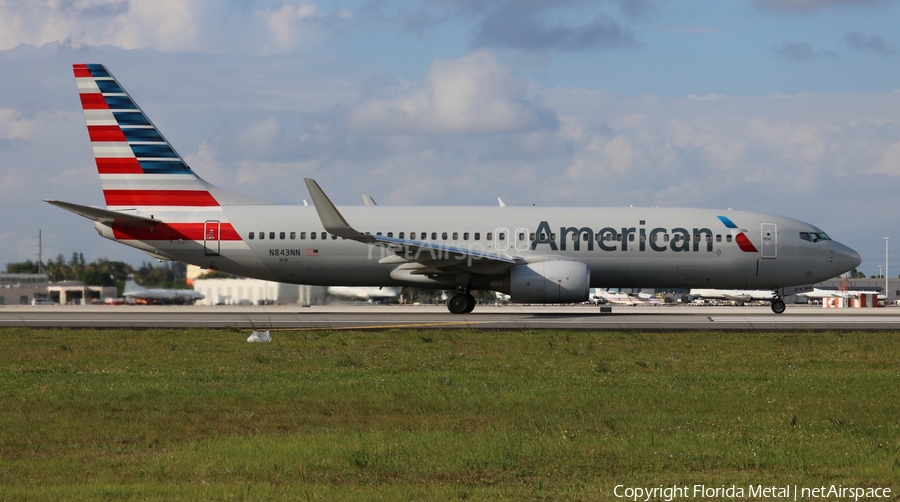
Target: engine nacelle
(550, 282)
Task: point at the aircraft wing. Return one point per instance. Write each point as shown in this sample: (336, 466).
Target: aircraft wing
(433, 254)
(104, 215)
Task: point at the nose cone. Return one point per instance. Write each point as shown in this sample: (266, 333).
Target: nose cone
(845, 259)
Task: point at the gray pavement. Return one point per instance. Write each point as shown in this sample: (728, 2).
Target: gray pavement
(641, 317)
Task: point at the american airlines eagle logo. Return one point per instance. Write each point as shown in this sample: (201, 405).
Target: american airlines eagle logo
(742, 240)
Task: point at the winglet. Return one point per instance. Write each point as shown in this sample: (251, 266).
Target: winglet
(368, 200)
(331, 218)
(502, 204)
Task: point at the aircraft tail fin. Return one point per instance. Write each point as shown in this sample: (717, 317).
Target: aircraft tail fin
(138, 167)
(131, 287)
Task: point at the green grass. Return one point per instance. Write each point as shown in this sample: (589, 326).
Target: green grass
(428, 414)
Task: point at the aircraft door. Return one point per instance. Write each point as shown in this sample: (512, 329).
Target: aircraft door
(769, 235)
(521, 239)
(211, 230)
(501, 239)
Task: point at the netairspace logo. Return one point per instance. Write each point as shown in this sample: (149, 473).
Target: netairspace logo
(786, 492)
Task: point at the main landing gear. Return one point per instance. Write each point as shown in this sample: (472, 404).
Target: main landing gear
(461, 303)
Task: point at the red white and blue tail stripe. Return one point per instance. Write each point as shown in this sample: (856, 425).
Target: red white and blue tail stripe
(138, 168)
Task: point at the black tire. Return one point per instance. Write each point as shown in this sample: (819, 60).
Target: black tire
(470, 303)
(457, 304)
(778, 306)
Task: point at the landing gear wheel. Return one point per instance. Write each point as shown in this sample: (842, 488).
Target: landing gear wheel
(778, 306)
(461, 304)
(470, 303)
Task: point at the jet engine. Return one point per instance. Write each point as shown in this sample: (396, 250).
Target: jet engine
(550, 282)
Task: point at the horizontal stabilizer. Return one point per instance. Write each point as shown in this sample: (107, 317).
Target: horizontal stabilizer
(104, 215)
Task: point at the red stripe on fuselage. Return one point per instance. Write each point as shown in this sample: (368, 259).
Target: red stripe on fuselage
(744, 243)
(93, 101)
(106, 133)
(118, 165)
(81, 70)
(173, 232)
(192, 198)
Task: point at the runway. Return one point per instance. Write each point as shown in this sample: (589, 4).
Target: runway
(636, 318)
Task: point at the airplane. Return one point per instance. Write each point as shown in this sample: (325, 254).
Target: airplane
(364, 292)
(613, 295)
(155, 202)
(741, 296)
(820, 293)
(159, 295)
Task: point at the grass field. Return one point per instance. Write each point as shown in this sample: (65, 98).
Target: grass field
(440, 415)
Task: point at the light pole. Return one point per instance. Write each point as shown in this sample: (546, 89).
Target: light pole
(886, 293)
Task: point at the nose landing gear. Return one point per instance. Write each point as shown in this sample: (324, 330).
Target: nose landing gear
(778, 306)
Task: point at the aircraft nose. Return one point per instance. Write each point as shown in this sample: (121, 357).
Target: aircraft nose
(845, 258)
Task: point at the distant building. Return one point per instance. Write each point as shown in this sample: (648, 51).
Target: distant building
(256, 292)
(23, 289)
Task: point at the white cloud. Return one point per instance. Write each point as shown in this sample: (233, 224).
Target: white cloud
(167, 25)
(470, 95)
(890, 161)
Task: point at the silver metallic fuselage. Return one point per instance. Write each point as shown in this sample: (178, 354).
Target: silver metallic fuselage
(643, 250)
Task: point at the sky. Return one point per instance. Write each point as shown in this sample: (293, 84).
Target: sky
(789, 107)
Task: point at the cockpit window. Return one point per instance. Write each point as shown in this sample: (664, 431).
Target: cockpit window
(814, 236)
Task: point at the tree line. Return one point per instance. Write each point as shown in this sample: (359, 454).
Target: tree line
(104, 272)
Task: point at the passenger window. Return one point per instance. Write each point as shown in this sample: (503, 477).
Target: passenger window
(444, 236)
(718, 237)
(728, 238)
(250, 236)
(456, 236)
(665, 237)
(262, 235)
(400, 235)
(643, 237)
(334, 237)
(489, 236)
(552, 236)
(312, 235)
(390, 234)
(630, 237)
(303, 236)
(653, 237)
(324, 236)
(619, 237)
(281, 235)
(574, 237)
(521, 236)
(531, 236)
(423, 236)
(434, 236)
(378, 234)
(477, 236)
(501, 236)
(293, 235)
(272, 235)
(543, 236)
